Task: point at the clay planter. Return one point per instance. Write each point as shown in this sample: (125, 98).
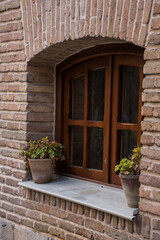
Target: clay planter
(131, 186)
(42, 170)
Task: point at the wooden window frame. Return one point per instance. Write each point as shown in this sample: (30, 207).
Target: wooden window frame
(110, 130)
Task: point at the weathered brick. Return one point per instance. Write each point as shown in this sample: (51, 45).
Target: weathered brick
(20, 211)
(156, 9)
(155, 236)
(150, 180)
(74, 237)
(76, 219)
(151, 53)
(12, 182)
(150, 207)
(57, 232)
(11, 16)
(138, 224)
(153, 153)
(34, 214)
(145, 227)
(94, 225)
(151, 126)
(93, 214)
(115, 234)
(147, 139)
(7, 207)
(156, 223)
(66, 225)
(43, 208)
(49, 219)
(13, 218)
(26, 222)
(41, 227)
(9, 27)
(84, 232)
(148, 4)
(114, 221)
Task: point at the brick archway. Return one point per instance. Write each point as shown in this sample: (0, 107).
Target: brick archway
(36, 35)
(49, 22)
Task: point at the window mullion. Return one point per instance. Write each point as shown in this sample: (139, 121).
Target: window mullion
(107, 109)
(85, 120)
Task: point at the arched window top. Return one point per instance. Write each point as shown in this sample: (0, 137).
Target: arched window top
(98, 111)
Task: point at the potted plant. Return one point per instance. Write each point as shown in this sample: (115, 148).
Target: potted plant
(41, 156)
(129, 171)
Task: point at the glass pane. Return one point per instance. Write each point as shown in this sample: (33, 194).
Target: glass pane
(95, 148)
(76, 145)
(127, 141)
(77, 96)
(129, 85)
(96, 86)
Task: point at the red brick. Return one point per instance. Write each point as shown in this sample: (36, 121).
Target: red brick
(84, 232)
(43, 208)
(41, 227)
(11, 16)
(155, 236)
(74, 218)
(93, 213)
(2, 214)
(12, 58)
(153, 153)
(146, 227)
(147, 139)
(111, 18)
(151, 96)
(154, 38)
(13, 218)
(156, 224)
(94, 225)
(156, 9)
(9, 27)
(12, 182)
(57, 232)
(49, 219)
(150, 180)
(20, 211)
(124, 17)
(7, 207)
(11, 37)
(132, 16)
(118, 19)
(66, 225)
(147, 111)
(33, 214)
(152, 53)
(26, 222)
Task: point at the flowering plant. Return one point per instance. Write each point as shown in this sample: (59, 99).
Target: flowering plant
(130, 165)
(44, 149)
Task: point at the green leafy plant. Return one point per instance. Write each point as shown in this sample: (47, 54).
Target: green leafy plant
(130, 165)
(44, 148)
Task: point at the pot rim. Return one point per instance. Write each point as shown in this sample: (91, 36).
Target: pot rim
(40, 159)
(128, 176)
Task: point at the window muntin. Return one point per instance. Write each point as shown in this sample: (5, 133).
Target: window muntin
(107, 122)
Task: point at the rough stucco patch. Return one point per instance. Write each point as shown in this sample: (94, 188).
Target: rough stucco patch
(6, 231)
(25, 234)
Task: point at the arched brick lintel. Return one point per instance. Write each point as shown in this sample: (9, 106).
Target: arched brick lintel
(49, 22)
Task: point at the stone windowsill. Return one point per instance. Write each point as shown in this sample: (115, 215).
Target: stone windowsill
(97, 196)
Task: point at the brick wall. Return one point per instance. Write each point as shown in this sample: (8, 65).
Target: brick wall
(35, 36)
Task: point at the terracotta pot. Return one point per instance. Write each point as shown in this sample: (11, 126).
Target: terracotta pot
(42, 170)
(131, 186)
